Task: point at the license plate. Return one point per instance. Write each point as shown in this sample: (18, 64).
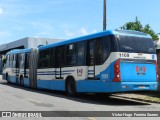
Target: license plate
(142, 87)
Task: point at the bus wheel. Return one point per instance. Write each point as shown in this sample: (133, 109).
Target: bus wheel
(7, 79)
(70, 87)
(21, 81)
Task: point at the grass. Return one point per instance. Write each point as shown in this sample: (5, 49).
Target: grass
(149, 96)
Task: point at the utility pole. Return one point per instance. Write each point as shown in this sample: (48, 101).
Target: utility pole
(104, 16)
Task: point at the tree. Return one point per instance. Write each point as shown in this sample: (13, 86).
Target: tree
(137, 26)
(147, 29)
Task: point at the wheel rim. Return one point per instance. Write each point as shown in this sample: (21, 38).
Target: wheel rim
(71, 88)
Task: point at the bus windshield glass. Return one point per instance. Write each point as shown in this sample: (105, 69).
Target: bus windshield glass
(135, 44)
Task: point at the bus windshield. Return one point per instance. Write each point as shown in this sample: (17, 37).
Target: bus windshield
(135, 44)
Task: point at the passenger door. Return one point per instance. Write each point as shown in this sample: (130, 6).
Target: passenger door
(33, 68)
(17, 68)
(91, 59)
(97, 58)
(26, 67)
(59, 62)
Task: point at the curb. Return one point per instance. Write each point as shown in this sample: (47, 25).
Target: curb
(139, 99)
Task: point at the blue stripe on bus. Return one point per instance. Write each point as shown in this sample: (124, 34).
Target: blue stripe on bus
(51, 84)
(90, 73)
(56, 71)
(92, 85)
(66, 72)
(91, 36)
(133, 86)
(47, 72)
(19, 51)
(12, 79)
(26, 82)
(55, 74)
(83, 38)
(102, 85)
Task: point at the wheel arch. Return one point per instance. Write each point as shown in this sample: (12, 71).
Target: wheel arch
(21, 76)
(6, 77)
(21, 79)
(70, 86)
(68, 78)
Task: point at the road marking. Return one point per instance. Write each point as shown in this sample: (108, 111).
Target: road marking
(92, 118)
(33, 100)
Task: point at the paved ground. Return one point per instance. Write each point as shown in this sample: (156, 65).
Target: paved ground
(16, 98)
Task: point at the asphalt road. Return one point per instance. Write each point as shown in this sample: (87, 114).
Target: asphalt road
(17, 98)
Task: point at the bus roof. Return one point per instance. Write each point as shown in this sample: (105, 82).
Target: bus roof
(99, 34)
(18, 51)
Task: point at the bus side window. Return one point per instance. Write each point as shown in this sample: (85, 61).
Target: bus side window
(27, 61)
(17, 60)
(106, 49)
(59, 59)
(14, 60)
(71, 54)
(91, 53)
(44, 59)
(52, 57)
(11, 61)
(7, 61)
(22, 60)
(80, 53)
(98, 52)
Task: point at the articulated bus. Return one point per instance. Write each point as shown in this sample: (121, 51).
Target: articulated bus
(105, 62)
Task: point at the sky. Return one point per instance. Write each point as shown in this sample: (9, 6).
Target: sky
(65, 19)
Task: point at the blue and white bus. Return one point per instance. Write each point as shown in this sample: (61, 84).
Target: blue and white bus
(105, 62)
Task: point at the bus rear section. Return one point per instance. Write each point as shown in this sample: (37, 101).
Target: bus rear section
(134, 75)
(134, 64)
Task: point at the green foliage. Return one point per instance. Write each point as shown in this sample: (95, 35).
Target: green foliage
(147, 29)
(137, 26)
(4, 61)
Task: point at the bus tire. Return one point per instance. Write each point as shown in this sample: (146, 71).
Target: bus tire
(21, 81)
(70, 87)
(7, 79)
